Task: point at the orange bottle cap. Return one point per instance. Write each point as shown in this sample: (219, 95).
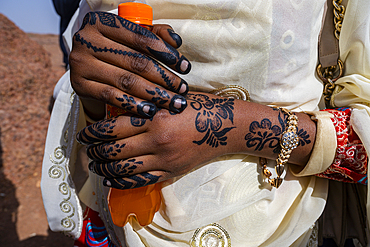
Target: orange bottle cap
(138, 13)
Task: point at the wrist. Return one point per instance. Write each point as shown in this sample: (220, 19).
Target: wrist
(258, 130)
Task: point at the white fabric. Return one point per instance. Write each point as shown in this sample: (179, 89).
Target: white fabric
(61, 203)
(324, 150)
(269, 48)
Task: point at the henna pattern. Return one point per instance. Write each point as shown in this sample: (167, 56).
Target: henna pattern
(263, 134)
(211, 113)
(132, 182)
(128, 101)
(116, 168)
(175, 37)
(164, 56)
(89, 18)
(162, 72)
(165, 77)
(138, 122)
(109, 20)
(161, 95)
(303, 137)
(99, 131)
(104, 151)
(137, 29)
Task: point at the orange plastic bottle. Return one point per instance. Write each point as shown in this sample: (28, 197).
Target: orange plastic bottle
(143, 202)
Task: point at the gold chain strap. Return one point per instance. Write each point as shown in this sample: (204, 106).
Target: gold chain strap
(339, 10)
(330, 74)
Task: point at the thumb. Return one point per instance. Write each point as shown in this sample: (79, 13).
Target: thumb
(167, 33)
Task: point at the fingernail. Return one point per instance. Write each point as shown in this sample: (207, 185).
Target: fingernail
(146, 109)
(184, 88)
(107, 183)
(78, 139)
(178, 104)
(91, 166)
(184, 65)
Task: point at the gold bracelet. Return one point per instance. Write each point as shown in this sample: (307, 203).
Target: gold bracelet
(289, 141)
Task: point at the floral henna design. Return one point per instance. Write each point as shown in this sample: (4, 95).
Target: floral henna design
(210, 118)
(264, 134)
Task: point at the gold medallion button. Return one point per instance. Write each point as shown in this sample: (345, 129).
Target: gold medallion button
(212, 235)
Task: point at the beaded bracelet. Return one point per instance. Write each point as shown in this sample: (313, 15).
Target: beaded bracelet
(289, 141)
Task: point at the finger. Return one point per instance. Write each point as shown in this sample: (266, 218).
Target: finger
(167, 33)
(112, 129)
(134, 146)
(135, 181)
(139, 87)
(121, 168)
(105, 151)
(118, 60)
(113, 96)
(118, 168)
(138, 38)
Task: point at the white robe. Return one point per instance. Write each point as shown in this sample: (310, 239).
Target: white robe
(267, 47)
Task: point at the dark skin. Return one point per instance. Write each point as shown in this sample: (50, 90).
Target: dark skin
(115, 62)
(138, 149)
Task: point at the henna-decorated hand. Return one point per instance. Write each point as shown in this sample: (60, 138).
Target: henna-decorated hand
(114, 61)
(131, 152)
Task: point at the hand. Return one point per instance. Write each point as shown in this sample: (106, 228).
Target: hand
(114, 61)
(131, 152)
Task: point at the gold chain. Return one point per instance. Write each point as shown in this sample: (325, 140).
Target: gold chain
(339, 10)
(330, 74)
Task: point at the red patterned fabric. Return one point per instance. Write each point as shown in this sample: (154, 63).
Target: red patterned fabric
(350, 162)
(93, 231)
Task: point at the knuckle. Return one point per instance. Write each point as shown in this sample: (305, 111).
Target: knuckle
(74, 59)
(172, 79)
(164, 137)
(76, 85)
(139, 64)
(142, 41)
(106, 95)
(163, 140)
(127, 81)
